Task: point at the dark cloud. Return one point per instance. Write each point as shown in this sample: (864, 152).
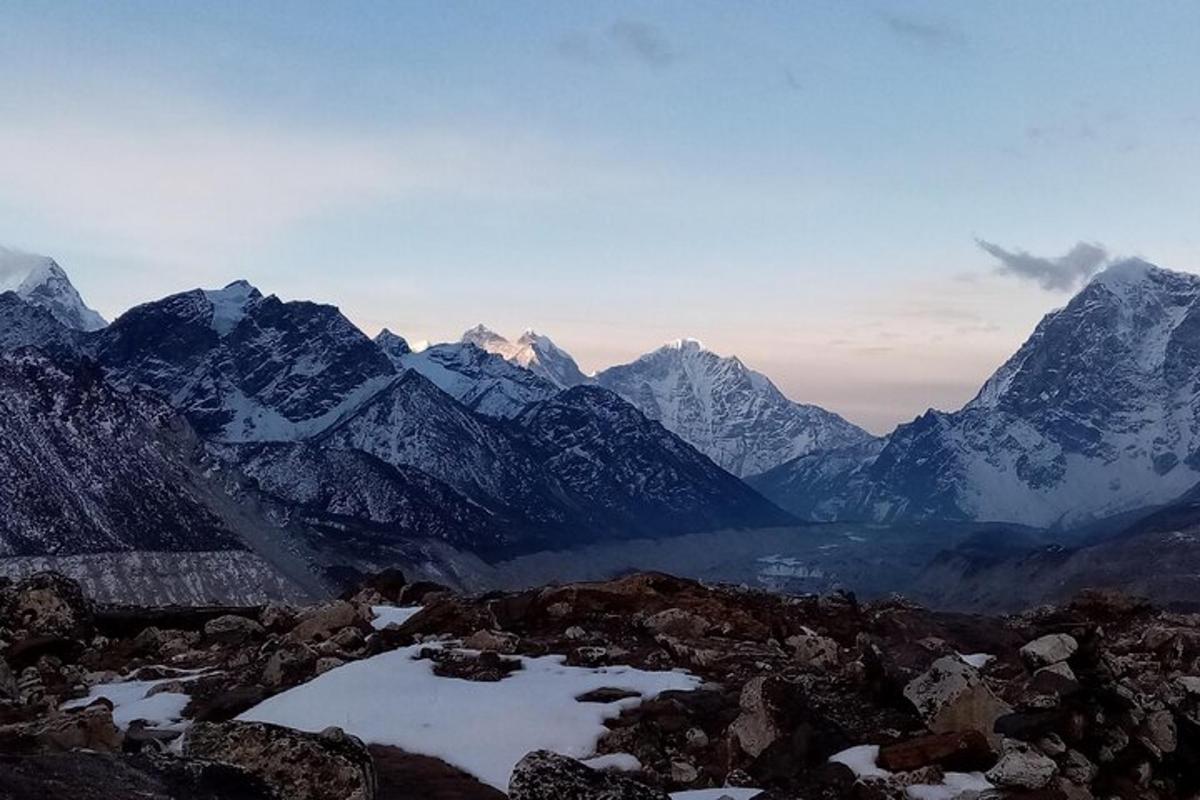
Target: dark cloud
(643, 41)
(926, 32)
(577, 46)
(1061, 274)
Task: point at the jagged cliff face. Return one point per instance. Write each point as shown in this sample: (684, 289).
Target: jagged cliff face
(244, 367)
(86, 468)
(1093, 416)
(734, 415)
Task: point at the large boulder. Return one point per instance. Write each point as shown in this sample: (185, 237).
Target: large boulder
(48, 605)
(1053, 648)
(322, 622)
(232, 629)
(542, 775)
(951, 696)
(1021, 767)
(89, 728)
(766, 708)
(326, 766)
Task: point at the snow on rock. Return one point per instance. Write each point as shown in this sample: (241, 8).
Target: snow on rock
(392, 615)
(862, 762)
(532, 351)
(483, 382)
(1093, 416)
(42, 282)
(484, 728)
(132, 700)
(622, 762)
(731, 792)
(977, 660)
(732, 414)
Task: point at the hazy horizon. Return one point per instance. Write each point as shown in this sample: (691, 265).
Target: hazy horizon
(846, 196)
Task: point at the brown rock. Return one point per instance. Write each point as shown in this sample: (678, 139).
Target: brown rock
(232, 629)
(959, 751)
(323, 622)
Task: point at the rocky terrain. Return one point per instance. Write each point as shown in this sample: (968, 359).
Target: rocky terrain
(682, 687)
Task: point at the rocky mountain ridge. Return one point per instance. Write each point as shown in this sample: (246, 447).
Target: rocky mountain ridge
(1093, 416)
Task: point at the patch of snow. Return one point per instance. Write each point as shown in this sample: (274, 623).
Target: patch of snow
(953, 785)
(622, 762)
(230, 304)
(392, 615)
(861, 761)
(484, 728)
(977, 660)
(732, 792)
(132, 700)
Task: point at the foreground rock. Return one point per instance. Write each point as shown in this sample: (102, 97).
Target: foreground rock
(325, 766)
(543, 775)
(1100, 698)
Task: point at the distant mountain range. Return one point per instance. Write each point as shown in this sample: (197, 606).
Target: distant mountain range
(732, 414)
(279, 435)
(366, 445)
(1095, 415)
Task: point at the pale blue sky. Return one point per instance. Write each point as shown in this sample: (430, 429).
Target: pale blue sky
(798, 183)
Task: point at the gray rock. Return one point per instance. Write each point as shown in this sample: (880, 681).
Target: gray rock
(8, 682)
(1050, 649)
(542, 775)
(1023, 768)
(951, 696)
(325, 766)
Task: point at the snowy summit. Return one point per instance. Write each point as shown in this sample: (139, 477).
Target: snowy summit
(40, 281)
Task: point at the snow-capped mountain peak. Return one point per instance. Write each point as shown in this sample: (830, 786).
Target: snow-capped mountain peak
(732, 414)
(1093, 416)
(393, 345)
(39, 280)
(231, 304)
(533, 351)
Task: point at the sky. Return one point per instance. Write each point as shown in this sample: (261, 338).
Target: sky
(871, 202)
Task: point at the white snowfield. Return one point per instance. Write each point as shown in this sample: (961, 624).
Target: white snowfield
(132, 700)
(861, 761)
(484, 728)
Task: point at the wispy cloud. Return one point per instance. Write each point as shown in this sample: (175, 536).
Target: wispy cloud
(919, 30)
(215, 183)
(628, 39)
(1057, 274)
(643, 41)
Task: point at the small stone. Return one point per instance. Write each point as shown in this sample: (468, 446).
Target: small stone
(575, 633)
(683, 772)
